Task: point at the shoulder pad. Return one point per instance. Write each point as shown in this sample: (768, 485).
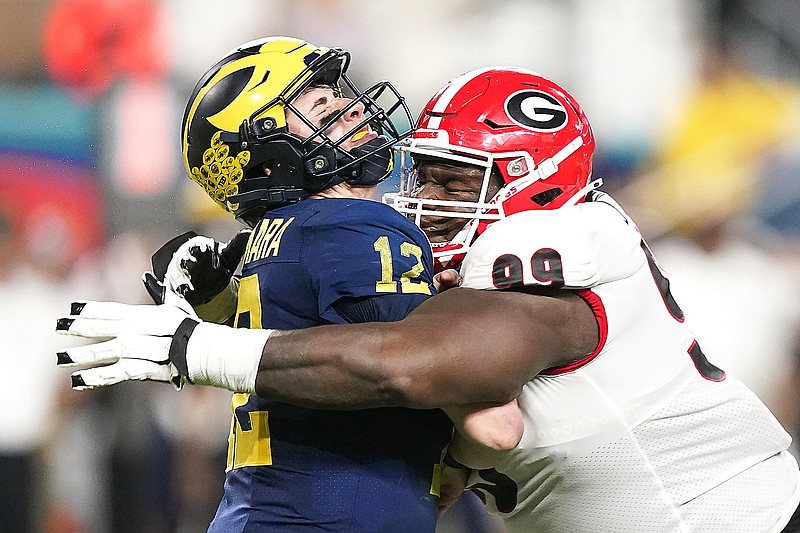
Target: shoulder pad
(576, 248)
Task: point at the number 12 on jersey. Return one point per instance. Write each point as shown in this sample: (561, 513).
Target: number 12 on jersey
(407, 278)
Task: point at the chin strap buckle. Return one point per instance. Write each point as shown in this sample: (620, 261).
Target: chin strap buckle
(548, 167)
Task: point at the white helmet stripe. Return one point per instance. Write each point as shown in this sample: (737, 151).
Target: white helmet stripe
(452, 90)
(444, 100)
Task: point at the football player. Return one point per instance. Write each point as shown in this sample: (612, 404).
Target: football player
(278, 134)
(628, 426)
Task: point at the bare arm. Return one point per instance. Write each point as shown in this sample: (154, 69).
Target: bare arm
(462, 346)
(498, 427)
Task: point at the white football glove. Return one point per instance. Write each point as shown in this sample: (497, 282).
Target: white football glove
(165, 343)
(138, 347)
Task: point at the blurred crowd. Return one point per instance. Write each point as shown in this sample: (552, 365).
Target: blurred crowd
(696, 106)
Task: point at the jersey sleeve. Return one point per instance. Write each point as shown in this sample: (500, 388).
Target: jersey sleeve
(368, 250)
(382, 308)
(575, 248)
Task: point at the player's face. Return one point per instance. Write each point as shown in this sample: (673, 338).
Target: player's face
(443, 181)
(319, 105)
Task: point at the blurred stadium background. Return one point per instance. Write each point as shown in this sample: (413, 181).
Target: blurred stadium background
(695, 104)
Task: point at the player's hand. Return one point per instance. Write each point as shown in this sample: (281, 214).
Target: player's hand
(154, 280)
(447, 279)
(134, 342)
(202, 267)
(198, 269)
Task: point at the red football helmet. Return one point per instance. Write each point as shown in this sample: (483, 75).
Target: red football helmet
(526, 126)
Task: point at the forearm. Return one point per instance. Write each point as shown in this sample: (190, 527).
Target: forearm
(461, 347)
(284, 365)
(476, 352)
(334, 367)
(471, 354)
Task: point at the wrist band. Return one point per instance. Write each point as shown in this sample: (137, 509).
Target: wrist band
(225, 357)
(179, 344)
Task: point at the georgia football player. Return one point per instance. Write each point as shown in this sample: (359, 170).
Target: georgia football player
(642, 434)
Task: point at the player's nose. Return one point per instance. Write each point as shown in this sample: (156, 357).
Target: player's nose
(354, 111)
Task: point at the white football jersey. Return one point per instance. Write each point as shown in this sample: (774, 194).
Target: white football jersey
(642, 436)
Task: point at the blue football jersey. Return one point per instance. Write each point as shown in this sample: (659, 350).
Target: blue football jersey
(304, 470)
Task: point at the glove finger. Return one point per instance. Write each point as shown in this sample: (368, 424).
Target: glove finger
(154, 287)
(163, 255)
(232, 252)
(102, 310)
(91, 378)
(111, 319)
(177, 272)
(88, 327)
(199, 249)
(123, 370)
(100, 353)
(183, 290)
(200, 255)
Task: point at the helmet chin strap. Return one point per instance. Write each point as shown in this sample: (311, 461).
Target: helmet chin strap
(548, 167)
(377, 162)
(461, 240)
(592, 185)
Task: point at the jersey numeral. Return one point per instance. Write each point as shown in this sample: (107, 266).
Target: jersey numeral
(407, 283)
(503, 489)
(507, 272)
(249, 440)
(701, 363)
(248, 310)
(663, 284)
(545, 265)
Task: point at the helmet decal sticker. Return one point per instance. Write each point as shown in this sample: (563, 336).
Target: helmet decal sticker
(220, 173)
(536, 110)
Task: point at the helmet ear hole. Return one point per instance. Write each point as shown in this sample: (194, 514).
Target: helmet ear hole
(545, 197)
